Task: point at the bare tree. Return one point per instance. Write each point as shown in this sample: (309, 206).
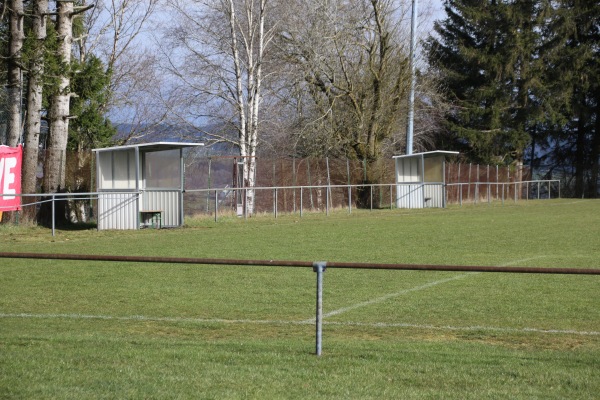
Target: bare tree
(34, 97)
(15, 71)
(349, 77)
(116, 31)
(218, 54)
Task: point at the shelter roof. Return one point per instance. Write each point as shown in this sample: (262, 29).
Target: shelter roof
(154, 146)
(428, 154)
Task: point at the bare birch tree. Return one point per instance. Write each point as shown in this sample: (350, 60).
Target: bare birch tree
(218, 56)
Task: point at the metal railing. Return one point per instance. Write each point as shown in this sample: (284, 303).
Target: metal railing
(478, 192)
(319, 198)
(318, 266)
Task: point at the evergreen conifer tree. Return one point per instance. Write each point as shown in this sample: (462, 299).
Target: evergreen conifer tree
(486, 53)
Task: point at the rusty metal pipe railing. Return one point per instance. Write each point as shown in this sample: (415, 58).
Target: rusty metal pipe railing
(318, 267)
(290, 263)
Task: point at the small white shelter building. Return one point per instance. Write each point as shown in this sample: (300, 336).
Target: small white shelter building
(141, 185)
(420, 179)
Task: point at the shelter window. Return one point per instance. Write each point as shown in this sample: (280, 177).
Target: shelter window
(162, 169)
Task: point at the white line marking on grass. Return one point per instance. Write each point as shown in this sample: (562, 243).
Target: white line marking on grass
(414, 289)
(389, 296)
(282, 322)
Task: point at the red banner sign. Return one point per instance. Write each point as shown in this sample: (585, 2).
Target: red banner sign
(10, 178)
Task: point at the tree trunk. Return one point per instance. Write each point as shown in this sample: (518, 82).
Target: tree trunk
(248, 106)
(54, 173)
(15, 83)
(34, 106)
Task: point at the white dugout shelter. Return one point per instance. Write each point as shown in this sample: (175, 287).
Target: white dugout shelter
(141, 185)
(420, 179)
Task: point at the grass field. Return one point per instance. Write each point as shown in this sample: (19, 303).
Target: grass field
(86, 330)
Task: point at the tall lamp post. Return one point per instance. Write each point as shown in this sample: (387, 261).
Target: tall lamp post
(411, 98)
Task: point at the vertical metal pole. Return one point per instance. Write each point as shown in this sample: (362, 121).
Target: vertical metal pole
(246, 203)
(209, 176)
(496, 181)
(275, 202)
(349, 187)
(181, 190)
(216, 204)
(319, 267)
(327, 201)
(294, 181)
(488, 183)
(469, 187)
(411, 98)
(459, 187)
(53, 218)
(301, 201)
(328, 184)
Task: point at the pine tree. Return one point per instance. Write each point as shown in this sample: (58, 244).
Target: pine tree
(572, 76)
(486, 53)
(91, 128)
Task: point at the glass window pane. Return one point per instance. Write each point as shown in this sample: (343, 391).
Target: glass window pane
(162, 170)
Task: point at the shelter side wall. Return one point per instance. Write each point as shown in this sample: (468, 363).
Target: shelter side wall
(434, 195)
(420, 195)
(167, 201)
(409, 196)
(117, 211)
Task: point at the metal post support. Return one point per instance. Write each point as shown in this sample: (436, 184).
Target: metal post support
(301, 201)
(53, 216)
(319, 267)
(216, 204)
(275, 202)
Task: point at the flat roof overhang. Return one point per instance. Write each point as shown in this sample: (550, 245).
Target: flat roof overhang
(149, 147)
(428, 154)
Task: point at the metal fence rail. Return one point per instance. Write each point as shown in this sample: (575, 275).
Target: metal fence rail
(318, 266)
(300, 199)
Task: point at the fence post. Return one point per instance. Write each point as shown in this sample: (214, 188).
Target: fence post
(300, 201)
(216, 204)
(53, 217)
(349, 187)
(275, 202)
(319, 267)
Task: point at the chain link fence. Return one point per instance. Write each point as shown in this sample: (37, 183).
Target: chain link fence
(308, 184)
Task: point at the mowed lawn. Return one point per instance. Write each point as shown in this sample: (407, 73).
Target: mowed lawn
(86, 330)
